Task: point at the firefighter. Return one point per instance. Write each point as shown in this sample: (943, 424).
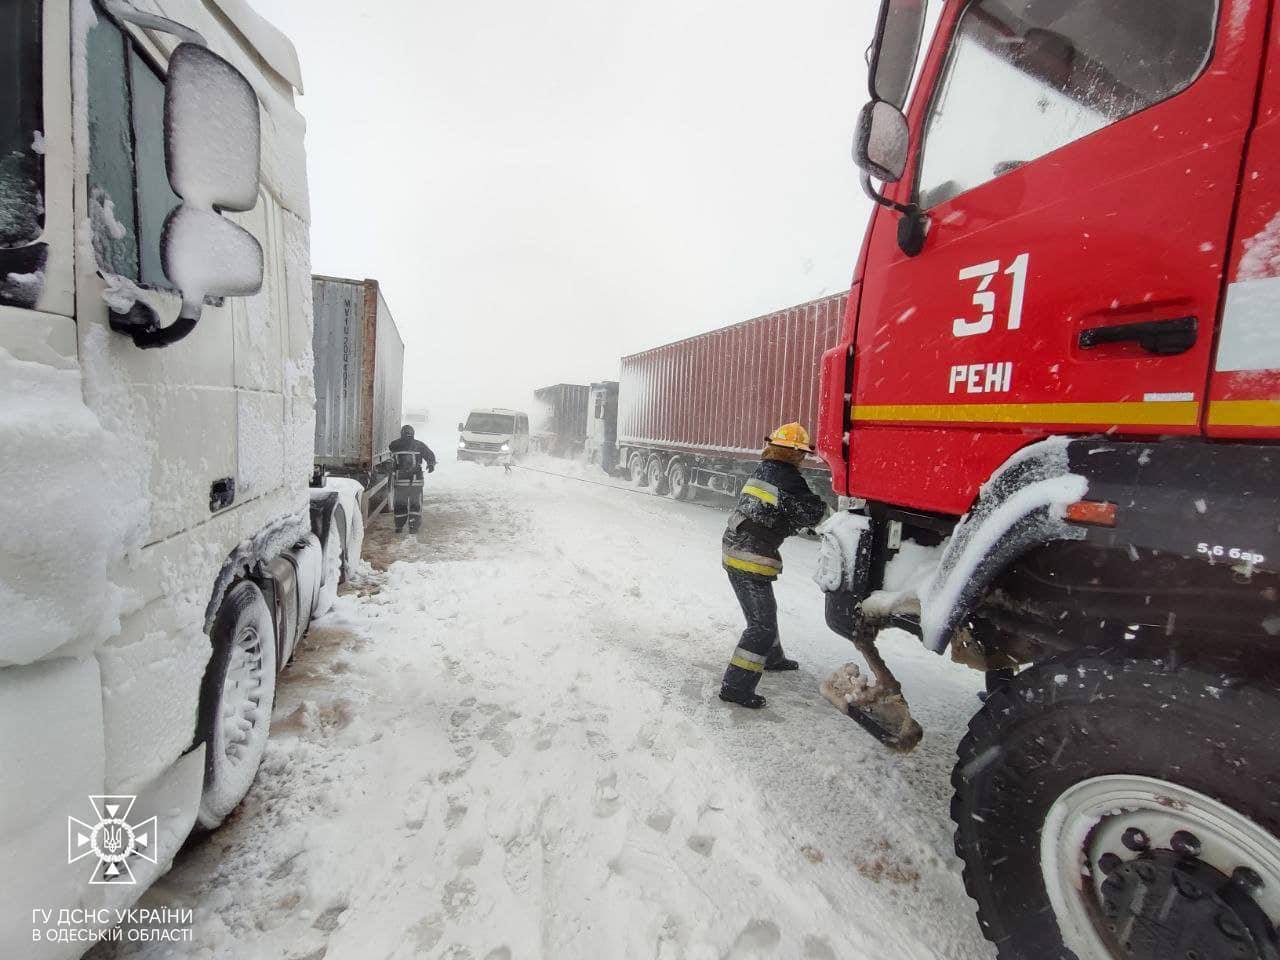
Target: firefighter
(408, 456)
(774, 504)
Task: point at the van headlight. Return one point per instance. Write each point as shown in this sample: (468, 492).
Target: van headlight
(506, 448)
(462, 444)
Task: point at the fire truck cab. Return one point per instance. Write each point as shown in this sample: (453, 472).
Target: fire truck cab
(1052, 419)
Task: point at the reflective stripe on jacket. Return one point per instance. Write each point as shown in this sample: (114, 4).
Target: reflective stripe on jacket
(773, 504)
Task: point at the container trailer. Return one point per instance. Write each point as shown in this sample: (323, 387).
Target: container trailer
(359, 364)
(694, 414)
(1052, 416)
(156, 388)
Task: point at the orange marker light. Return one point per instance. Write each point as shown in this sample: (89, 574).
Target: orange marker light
(1093, 513)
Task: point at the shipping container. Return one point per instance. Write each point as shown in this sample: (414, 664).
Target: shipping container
(561, 418)
(695, 413)
(359, 369)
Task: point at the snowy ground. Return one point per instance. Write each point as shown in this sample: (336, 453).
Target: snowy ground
(506, 744)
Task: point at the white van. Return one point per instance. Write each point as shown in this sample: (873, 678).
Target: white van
(162, 553)
(492, 434)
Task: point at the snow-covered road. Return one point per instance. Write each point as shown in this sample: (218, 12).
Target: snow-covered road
(506, 744)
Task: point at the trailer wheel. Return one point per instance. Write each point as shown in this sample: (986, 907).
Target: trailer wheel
(680, 480)
(657, 476)
(637, 469)
(1116, 809)
(236, 697)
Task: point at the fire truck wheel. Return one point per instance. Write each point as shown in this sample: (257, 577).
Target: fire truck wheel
(637, 469)
(1112, 808)
(657, 476)
(679, 481)
(236, 697)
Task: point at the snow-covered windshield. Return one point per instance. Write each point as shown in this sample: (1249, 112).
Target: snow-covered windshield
(21, 137)
(500, 423)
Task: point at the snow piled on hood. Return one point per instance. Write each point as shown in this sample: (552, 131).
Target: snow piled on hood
(63, 549)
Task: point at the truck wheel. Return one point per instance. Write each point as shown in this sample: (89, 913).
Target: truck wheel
(637, 469)
(332, 567)
(235, 700)
(1116, 809)
(657, 476)
(679, 480)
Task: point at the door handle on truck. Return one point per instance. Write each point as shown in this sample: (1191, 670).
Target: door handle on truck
(1165, 338)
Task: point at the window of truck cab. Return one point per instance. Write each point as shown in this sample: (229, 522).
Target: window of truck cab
(1023, 78)
(21, 125)
(129, 192)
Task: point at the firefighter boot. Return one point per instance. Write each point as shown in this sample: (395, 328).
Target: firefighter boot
(744, 698)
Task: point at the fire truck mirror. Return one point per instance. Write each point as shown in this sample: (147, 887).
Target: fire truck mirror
(895, 49)
(880, 147)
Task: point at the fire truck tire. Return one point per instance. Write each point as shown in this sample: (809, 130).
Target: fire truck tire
(1161, 782)
(638, 468)
(680, 480)
(236, 697)
(657, 476)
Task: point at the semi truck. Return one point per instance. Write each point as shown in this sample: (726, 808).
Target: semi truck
(602, 425)
(359, 373)
(561, 419)
(694, 414)
(163, 554)
(1052, 417)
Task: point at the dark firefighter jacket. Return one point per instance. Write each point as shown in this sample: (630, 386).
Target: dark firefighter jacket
(422, 451)
(774, 504)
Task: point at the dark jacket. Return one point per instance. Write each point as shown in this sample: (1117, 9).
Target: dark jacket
(774, 504)
(422, 454)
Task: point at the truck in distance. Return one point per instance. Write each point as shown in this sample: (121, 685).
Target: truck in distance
(1052, 417)
(693, 415)
(561, 421)
(359, 363)
(493, 434)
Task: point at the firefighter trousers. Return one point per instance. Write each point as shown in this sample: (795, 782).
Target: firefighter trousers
(759, 644)
(406, 500)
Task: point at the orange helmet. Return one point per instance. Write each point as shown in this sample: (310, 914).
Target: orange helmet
(792, 435)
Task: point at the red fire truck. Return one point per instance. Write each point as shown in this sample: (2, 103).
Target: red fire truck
(1052, 418)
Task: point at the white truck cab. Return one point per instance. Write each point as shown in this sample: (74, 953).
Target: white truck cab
(492, 434)
(162, 553)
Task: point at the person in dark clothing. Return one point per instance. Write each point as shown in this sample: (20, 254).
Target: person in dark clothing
(774, 504)
(407, 459)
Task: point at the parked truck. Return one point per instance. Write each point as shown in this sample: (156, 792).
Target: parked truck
(561, 419)
(1052, 417)
(359, 363)
(694, 414)
(162, 555)
(602, 425)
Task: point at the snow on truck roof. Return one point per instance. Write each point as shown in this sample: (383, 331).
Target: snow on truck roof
(500, 410)
(271, 44)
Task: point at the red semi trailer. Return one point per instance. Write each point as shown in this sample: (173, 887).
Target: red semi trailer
(694, 414)
(1052, 418)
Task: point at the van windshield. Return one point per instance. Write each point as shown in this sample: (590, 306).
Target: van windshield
(21, 122)
(500, 423)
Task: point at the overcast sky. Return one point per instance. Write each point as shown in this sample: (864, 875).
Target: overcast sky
(542, 186)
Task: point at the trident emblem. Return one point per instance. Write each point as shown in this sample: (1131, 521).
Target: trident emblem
(113, 840)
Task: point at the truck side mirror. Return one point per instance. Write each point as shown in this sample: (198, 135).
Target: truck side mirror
(880, 146)
(213, 156)
(461, 428)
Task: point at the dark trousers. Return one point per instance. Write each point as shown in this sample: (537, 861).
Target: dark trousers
(406, 500)
(759, 644)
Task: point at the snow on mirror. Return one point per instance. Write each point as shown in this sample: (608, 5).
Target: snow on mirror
(212, 151)
(883, 136)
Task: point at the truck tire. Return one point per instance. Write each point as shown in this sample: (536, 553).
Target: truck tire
(333, 566)
(236, 697)
(657, 476)
(680, 480)
(638, 468)
(1109, 808)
